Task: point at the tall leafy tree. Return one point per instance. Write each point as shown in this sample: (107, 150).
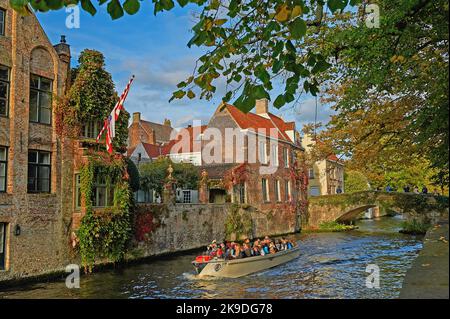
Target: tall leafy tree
(315, 45)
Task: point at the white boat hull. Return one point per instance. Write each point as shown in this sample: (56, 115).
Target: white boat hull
(244, 266)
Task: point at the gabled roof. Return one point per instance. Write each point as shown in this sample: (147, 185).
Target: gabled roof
(271, 125)
(192, 144)
(153, 151)
(162, 132)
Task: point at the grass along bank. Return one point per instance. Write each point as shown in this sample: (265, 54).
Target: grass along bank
(327, 227)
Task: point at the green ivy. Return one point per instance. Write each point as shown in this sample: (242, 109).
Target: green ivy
(238, 222)
(105, 234)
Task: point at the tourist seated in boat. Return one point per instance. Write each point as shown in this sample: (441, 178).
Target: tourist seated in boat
(256, 250)
(236, 252)
(272, 248)
(246, 250)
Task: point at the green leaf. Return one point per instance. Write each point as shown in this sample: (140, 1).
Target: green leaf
(190, 94)
(131, 6)
(167, 4)
(279, 101)
(182, 3)
(88, 6)
(177, 95)
(262, 74)
(297, 28)
(115, 9)
(335, 5)
(54, 4)
(320, 66)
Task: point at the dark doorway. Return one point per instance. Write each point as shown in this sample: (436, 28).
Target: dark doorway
(217, 196)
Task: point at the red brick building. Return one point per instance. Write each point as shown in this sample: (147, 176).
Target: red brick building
(34, 219)
(248, 158)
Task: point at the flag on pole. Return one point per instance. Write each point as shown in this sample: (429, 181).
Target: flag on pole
(110, 122)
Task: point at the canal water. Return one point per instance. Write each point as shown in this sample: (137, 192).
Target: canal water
(331, 265)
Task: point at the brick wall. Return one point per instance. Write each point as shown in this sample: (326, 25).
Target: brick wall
(42, 243)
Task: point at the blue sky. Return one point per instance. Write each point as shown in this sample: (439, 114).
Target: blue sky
(154, 49)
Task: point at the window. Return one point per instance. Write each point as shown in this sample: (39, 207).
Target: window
(186, 197)
(4, 90)
(102, 192)
(91, 129)
(286, 157)
(39, 172)
(311, 173)
(40, 99)
(2, 21)
(265, 190)
(274, 155)
(262, 152)
(287, 191)
(3, 167)
(3, 229)
(144, 196)
(314, 191)
(276, 187)
(239, 191)
(77, 191)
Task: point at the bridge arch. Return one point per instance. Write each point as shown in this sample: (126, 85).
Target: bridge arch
(346, 207)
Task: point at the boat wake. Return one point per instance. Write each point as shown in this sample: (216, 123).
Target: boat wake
(195, 277)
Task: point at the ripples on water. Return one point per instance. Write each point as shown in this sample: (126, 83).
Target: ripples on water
(331, 265)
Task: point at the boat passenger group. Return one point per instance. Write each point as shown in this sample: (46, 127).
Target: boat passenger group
(232, 250)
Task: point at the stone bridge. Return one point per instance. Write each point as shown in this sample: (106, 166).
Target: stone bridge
(347, 207)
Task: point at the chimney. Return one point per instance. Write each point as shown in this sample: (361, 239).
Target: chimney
(262, 106)
(136, 117)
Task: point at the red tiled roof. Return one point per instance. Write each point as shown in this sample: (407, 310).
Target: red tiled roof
(183, 145)
(152, 150)
(257, 123)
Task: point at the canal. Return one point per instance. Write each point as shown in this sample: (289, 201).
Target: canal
(331, 265)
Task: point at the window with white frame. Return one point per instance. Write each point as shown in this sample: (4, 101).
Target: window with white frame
(274, 155)
(40, 99)
(276, 185)
(144, 196)
(311, 173)
(102, 192)
(286, 157)
(91, 129)
(265, 190)
(3, 167)
(262, 152)
(4, 90)
(287, 191)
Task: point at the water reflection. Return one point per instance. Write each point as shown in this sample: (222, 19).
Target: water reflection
(331, 265)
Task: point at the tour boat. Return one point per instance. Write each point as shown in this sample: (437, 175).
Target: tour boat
(235, 268)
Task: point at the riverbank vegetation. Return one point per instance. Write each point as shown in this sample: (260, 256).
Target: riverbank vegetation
(415, 227)
(328, 227)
